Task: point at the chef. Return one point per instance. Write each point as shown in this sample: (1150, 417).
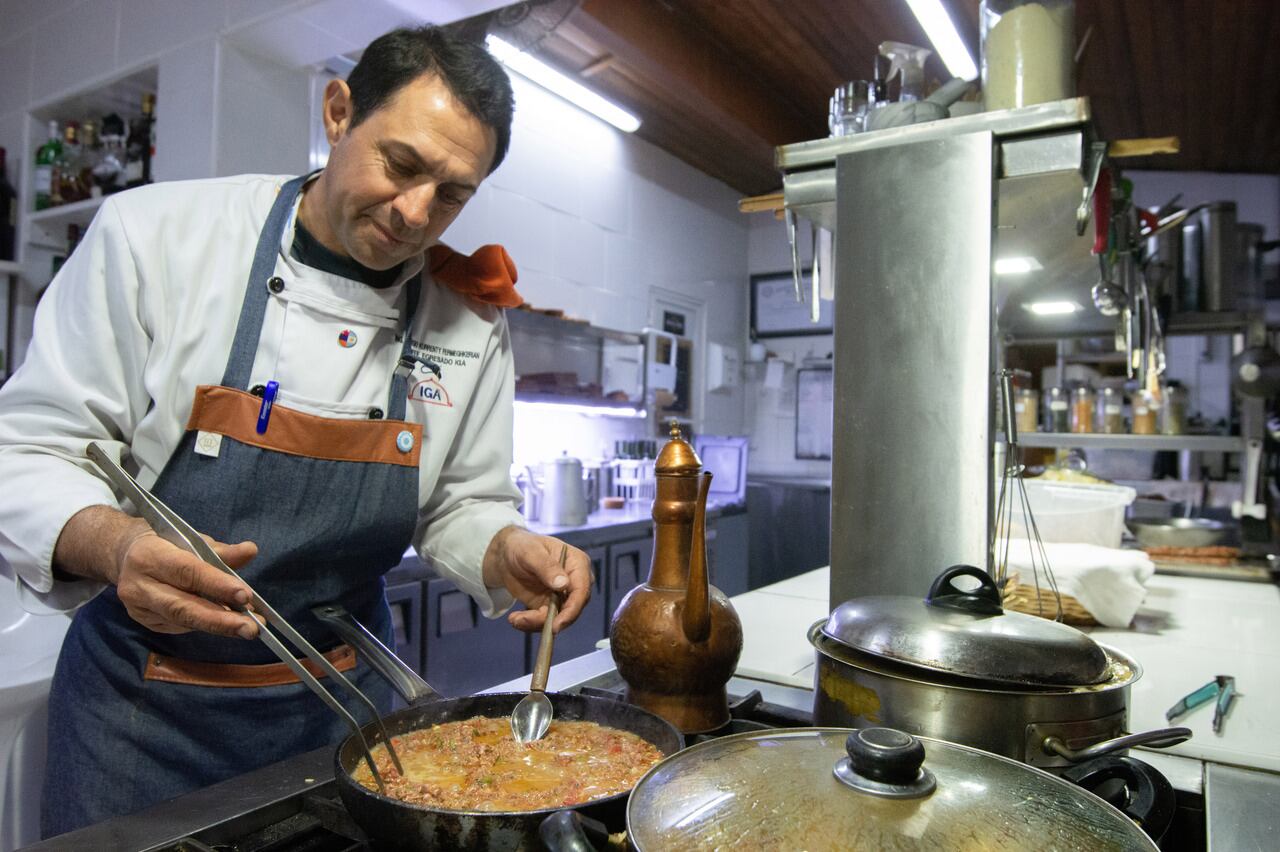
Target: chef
(302, 371)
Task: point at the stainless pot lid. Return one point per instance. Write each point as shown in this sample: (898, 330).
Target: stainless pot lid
(968, 634)
(836, 788)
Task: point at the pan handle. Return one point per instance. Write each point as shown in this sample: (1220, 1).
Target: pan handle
(1159, 738)
(405, 680)
(570, 831)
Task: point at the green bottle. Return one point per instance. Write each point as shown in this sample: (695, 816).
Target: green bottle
(47, 158)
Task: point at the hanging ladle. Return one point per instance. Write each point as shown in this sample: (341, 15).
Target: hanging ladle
(532, 716)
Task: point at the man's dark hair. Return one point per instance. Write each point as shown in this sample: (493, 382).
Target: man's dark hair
(403, 55)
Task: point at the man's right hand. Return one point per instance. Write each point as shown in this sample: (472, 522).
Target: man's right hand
(163, 587)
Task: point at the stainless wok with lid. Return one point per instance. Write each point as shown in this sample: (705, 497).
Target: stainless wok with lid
(968, 634)
(874, 788)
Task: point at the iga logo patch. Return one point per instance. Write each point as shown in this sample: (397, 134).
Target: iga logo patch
(430, 391)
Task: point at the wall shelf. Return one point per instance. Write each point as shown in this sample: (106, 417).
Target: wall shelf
(1098, 441)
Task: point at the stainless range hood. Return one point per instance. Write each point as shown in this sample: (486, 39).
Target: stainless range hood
(921, 216)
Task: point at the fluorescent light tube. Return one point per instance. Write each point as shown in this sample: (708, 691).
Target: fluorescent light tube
(1016, 265)
(554, 81)
(1045, 309)
(946, 39)
(578, 408)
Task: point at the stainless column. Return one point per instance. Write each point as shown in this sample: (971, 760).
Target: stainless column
(912, 443)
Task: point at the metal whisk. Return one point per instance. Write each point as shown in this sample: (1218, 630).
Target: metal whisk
(1013, 496)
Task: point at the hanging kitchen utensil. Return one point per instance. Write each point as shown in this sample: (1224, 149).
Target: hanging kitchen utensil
(169, 526)
(1013, 497)
(874, 788)
(532, 716)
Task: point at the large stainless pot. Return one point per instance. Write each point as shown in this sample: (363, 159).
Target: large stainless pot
(875, 788)
(955, 666)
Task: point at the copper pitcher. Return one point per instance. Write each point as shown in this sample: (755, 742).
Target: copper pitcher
(676, 638)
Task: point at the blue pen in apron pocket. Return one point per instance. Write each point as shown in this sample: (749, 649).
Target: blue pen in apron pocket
(264, 411)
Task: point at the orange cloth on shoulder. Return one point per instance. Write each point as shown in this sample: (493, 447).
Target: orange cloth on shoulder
(487, 276)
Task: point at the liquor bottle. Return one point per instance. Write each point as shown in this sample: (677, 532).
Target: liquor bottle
(47, 157)
(90, 154)
(108, 174)
(8, 213)
(140, 143)
(73, 237)
(67, 174)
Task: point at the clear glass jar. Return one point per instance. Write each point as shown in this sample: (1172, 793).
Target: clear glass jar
(1082, 409)
(1057, 417)
(1173, 416)
(1026, 409)
(1145, 411)
(1111, 411)
(1028, 49)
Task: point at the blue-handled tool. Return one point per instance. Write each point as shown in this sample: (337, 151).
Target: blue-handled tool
(1226, 695)
(1188, 703)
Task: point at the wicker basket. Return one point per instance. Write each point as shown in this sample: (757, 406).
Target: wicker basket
(1021, 597)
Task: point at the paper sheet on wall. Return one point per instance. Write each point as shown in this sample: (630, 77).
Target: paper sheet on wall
(814, 394)
(773, 372)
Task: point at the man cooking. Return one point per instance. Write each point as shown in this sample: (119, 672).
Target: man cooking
(300, 370)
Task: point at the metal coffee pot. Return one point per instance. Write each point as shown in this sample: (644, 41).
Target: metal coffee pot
(559, 492)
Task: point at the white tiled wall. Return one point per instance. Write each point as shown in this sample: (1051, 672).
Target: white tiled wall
(595, 218)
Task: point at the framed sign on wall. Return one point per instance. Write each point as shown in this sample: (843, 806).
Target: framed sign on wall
(776, 313)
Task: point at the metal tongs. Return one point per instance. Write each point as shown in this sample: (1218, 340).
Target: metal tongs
(1222, 687)
(179, 533)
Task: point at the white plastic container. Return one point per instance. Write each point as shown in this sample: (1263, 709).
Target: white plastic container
(1087, 514)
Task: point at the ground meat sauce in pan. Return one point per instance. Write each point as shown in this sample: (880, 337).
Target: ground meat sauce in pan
(476, 765)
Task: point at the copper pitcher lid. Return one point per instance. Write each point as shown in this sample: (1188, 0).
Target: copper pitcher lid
(677, 457)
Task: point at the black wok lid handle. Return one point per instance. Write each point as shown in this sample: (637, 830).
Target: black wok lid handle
(405, 680)
(1146, 796)
(984, 600)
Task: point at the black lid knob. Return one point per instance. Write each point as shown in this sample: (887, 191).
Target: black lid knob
(885, 755)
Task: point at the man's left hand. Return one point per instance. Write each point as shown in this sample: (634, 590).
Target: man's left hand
(528, 566)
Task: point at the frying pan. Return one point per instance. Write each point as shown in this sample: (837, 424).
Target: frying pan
(401, 825)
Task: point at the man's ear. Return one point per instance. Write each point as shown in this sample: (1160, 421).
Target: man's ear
(337, 110)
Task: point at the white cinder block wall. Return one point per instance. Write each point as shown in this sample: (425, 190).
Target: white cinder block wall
(595, 219)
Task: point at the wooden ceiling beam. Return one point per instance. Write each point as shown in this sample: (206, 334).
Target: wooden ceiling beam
(693, 70)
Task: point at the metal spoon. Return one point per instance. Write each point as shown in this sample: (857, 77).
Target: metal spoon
(532, 716)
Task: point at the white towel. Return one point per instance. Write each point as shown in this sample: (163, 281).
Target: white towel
(1108, 582)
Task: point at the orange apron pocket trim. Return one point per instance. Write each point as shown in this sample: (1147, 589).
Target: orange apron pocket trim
(234, 414)
(199, 673)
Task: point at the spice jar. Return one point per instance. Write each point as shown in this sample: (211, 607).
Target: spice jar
(1056, 414)
(1145, 409)
(1173, 416)
(1028, 51)
(1111, 410)
(1082, 409)
(1026, 408)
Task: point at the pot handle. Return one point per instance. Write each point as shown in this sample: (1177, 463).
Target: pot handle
(1147, 797)
(403, 679)
(570, 831)
(984, 600)
(1159, 738)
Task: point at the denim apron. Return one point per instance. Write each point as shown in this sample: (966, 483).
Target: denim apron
(136, 717)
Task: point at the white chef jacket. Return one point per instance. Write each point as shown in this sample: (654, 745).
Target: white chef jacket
(145, 309)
